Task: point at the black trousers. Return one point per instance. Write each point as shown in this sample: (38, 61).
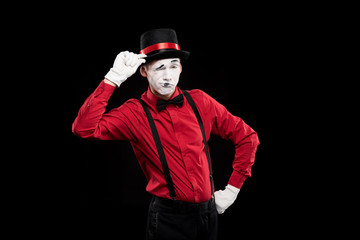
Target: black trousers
(177, 220)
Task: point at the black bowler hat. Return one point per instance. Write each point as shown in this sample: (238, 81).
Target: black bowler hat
(161, 43)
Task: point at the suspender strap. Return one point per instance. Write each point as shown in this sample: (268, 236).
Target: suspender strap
(160, 149)
(197, 114)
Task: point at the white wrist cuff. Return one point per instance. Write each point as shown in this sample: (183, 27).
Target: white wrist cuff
(115, 77)
(233, 189)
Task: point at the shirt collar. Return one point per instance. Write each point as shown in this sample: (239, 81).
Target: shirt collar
(150, 99)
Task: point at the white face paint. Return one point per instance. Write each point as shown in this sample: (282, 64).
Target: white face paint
(164, 75)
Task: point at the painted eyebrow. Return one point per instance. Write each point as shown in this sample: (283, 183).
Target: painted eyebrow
(162, 65)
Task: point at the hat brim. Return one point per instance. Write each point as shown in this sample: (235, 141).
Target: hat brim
(167, 53)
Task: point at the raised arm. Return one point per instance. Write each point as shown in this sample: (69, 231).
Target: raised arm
(91, 122)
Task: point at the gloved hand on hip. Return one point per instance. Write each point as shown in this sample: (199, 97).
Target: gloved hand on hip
(125, 65)
(225, 198)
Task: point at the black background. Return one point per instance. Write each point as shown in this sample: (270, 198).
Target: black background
(262, 63)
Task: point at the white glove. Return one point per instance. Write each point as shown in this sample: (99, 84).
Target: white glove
(224, 198)
(124, 66)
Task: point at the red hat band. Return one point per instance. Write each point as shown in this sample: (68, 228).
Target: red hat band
(159, 46)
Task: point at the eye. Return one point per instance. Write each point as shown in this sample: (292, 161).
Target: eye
(173, 66)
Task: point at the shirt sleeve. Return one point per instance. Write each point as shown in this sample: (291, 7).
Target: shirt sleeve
(243, 137)
(93, 123)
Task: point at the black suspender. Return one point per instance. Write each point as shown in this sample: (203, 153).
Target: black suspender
(197, 114)
(164, 164)
(160, 149)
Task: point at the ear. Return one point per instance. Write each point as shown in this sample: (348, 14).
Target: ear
(143, 71)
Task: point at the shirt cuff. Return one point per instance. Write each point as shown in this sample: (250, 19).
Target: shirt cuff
(237, 179)
(104, 91)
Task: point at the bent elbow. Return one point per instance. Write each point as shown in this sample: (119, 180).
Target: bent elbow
(76, 130)
(255, 139)
(81, 132)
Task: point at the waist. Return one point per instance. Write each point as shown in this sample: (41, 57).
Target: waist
(169, 205)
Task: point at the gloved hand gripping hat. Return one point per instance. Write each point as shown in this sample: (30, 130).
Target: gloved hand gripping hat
(160, 44)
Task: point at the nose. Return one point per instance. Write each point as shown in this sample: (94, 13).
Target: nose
(167, 75)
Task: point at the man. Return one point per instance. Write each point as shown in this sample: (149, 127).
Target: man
(169, 134)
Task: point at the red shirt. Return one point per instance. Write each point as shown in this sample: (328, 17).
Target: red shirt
(180, 136)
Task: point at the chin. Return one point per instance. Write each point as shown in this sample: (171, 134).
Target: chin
(166, 91)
